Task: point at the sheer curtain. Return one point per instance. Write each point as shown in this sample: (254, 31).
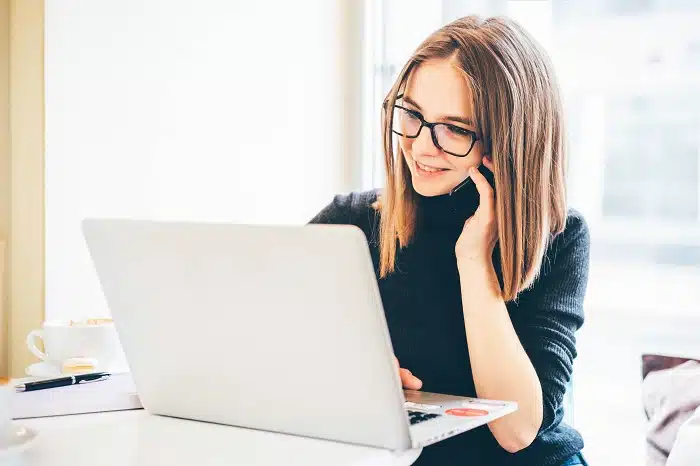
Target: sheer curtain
(630, 75)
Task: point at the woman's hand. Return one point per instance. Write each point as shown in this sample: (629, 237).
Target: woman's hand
(408, 380)
(478, 237)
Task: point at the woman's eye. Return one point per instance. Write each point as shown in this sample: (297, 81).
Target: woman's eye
(414, 114)
(459, 131)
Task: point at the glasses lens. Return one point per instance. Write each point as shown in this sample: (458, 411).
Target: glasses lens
(405, 123)
(454, 139)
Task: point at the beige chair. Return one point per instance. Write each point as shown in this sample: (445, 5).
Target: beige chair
(670, 396)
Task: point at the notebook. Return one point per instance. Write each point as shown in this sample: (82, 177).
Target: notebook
(117, 393)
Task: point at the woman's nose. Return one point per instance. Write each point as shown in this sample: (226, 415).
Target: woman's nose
(423, 144)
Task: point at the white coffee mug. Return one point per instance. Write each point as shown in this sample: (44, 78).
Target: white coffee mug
(6, 392)
(64, 340)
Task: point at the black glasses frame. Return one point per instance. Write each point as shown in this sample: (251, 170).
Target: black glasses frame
(431, 127)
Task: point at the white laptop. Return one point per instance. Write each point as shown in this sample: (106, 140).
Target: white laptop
(279, 328)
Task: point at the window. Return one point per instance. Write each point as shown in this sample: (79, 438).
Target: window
(651, 154)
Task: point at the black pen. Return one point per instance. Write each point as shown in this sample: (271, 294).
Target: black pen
(62, 381)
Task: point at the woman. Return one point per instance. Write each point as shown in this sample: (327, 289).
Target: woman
(482, 281)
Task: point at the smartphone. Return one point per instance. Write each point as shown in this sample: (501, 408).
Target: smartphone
(469, 183)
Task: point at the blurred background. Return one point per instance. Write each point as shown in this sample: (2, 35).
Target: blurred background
(260, 112)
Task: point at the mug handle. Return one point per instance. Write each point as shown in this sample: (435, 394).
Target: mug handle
(31, 344)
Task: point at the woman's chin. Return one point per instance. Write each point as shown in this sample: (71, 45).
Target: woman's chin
(429, 188)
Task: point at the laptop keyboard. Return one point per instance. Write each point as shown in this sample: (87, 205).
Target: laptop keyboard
(416, 416)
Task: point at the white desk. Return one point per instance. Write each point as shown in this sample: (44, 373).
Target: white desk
(128, 438)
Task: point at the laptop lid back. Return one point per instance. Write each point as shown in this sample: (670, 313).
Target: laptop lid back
(278, 328)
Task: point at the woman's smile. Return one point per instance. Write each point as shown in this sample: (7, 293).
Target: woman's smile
(429, 170)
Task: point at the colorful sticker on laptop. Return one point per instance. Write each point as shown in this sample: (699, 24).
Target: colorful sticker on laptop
(466, 412)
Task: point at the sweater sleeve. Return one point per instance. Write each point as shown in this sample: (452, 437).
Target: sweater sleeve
(547, 315)
(349, 209)
(337, 212)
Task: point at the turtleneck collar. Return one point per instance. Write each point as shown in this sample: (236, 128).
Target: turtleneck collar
(445, 212)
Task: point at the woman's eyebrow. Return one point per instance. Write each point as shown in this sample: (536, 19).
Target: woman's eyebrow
(409, 100)
(466, 121)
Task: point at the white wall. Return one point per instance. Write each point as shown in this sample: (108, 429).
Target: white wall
(175, 109)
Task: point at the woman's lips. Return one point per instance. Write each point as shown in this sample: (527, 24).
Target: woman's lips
(426, 170)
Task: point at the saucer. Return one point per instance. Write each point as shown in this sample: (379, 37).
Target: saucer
(19, 440)
(43, 369)
(46, 369)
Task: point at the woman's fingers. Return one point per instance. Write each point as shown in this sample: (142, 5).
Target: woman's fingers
(409, 380)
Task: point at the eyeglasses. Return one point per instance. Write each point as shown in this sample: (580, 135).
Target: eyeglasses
(452, 139)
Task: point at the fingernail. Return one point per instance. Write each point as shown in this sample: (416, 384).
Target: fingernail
(471, 170)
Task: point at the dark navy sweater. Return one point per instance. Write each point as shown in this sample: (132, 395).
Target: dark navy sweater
(423, 305)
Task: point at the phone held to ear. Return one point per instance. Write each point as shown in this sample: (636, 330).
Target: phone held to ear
(470, 183)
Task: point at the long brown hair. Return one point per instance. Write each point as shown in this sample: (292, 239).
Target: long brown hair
(519, 119)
